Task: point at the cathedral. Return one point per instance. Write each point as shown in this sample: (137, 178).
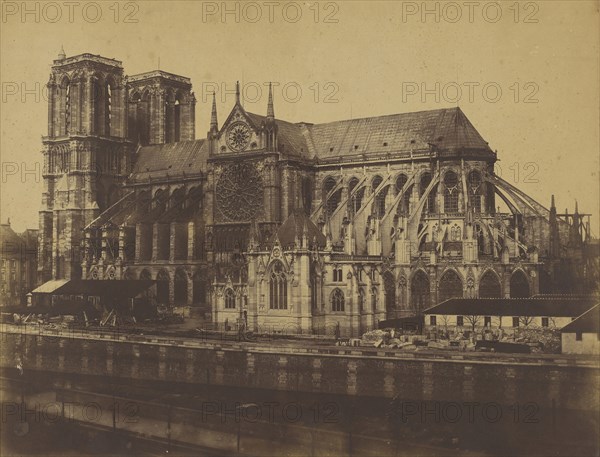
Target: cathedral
(286, 226)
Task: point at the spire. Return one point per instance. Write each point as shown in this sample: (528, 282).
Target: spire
(270, 110)
(213, 116)
(237, 92)
(61, 54)
(552, 205)
(576, 208)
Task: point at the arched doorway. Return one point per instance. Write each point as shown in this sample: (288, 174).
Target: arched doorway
(420, 298)
(450, 286)
(199, 288)
(181, 287)
(519, 285)
(162, 287)
(145, 275)
(489, 286)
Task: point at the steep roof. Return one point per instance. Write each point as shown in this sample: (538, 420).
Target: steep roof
(15, 245)
(9, 239)
(289, 135)
(172, 159)
(588, 322)
(116, 288)
(533, 306)
(293, 227)
(447, 129)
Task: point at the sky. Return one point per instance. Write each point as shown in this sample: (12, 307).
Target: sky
(525, 74)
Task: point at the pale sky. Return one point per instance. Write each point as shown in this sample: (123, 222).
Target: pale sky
(356, 59)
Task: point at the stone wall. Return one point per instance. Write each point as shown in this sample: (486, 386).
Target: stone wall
(568, 383)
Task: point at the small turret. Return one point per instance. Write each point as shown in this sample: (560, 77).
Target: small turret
(214, 124)
(305, 240)
(61, 54)
(270, 109)
(270, 126)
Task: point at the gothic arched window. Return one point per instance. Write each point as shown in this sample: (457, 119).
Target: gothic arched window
(178, 198)
(143, 118)
(98, 96)
(475, 190)
(145, 275)
(160, 200)
(419, 291)
(489, 286)
(450, 192)
(313, 286)
(403, 206)
(162, 287)
(361, 300)
(455, 233)
(67, 108)
(328, 186)
(177, 119)
(331, 201)
(374, 295)
(199, 287)
(181, 287)
(277, 287)
(337, 300)
(379, 202)
(401, 180)
(423, 185)
(355, 199)
(229, 298)
(108, 109)
(450, 286)
(337, 275)
(307, 195)
(519, 285)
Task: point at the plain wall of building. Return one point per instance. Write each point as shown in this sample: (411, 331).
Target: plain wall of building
(589, 344)
(505, 322)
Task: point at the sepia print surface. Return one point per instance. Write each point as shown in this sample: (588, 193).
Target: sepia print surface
(332, 228)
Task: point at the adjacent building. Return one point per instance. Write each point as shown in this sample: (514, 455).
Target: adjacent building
(507, 313)
(279, 224)
(18, 264)
(582, 336)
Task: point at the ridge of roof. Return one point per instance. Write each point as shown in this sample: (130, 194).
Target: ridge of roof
(527, 306)
(380, 116)
(588, 322)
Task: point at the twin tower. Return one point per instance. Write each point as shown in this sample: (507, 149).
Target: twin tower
(97, 118)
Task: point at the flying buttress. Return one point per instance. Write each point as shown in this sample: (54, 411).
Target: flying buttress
(360, 218)
(415, 216)
(387, 220)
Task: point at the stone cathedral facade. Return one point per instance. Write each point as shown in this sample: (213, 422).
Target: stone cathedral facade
(292, 226)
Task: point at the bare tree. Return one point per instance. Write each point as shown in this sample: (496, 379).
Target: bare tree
(445, 318)
(498, 321)
(473, 320)
(526, 321)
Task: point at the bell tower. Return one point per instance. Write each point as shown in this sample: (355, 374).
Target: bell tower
(86, 156)
(161, 108)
